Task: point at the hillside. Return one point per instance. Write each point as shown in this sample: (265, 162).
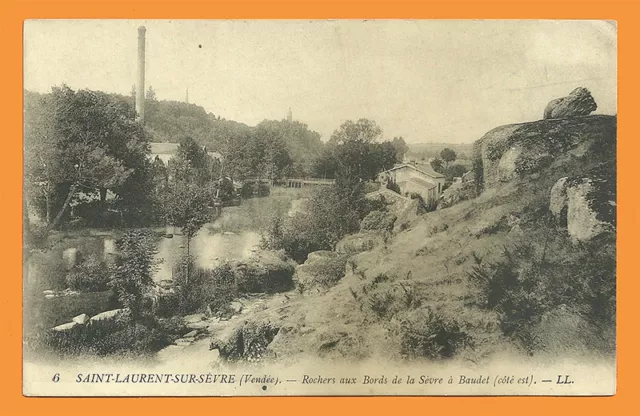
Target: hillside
(525, 268)
(432, 150)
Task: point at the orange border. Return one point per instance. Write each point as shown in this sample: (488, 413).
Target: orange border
(15, 11)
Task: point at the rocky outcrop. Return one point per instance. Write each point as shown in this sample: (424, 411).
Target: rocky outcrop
(517, 150)
(578, 103)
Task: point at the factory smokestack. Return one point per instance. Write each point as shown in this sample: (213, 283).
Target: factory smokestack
(140, 84)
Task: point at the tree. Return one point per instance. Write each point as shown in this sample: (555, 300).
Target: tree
(132, 277)
(401, 148)
(454, 171)
(151, 94)
(187, 207)
(447, 155)
(437, 164)
(362, 130)
(81, 140)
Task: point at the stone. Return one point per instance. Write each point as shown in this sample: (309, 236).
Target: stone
(48, 292)
(236, 306)
(194, 318)
(198, 325)
(65, 327)
(578, 103)
(183, 342)
(106, 316)
(50, 296)
(191, 334)
(558, 200)
(582, 221)
(81, 319)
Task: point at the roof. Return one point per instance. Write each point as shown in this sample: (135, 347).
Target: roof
(172, 149)
(420, 182)
(423, 170)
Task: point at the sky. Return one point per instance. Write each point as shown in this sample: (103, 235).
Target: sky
(425, 80)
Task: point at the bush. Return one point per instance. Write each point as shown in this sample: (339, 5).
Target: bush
(324, 272)
(429, 334)
(247, 190)
(378, 220)
(91, 275)
(525, 284)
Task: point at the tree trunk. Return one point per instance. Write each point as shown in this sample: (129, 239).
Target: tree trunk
(58, 217)
(186, 280)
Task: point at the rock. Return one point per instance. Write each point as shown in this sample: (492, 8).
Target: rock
(106, 316)
(194, 318)
(184, 342)
(578, 103)
(81, 319)
(582, 220)
(50, 296)
(236, 306)
(65, 327)
(507, 164)
(558, 201)
(357, 243)
(191, 334)
(48, 292)
(248, 341)
(320, 255)
(198, 325)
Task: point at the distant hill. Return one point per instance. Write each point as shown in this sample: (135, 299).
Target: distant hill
(430, 150)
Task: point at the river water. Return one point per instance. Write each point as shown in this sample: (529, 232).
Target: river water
(208, 247)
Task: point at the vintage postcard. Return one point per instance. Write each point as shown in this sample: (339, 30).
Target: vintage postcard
(335, 208)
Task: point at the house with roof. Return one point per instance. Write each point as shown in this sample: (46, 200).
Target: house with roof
(423, 181)
(166, 151)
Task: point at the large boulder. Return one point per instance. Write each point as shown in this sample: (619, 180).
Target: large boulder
(586, 206)
(321, 271)
(265, 272)
(583, 222)
(578, 103)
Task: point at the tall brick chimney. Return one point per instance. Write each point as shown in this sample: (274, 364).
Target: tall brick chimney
(140, 90)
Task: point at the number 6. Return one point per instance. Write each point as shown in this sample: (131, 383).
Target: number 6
(56, 377)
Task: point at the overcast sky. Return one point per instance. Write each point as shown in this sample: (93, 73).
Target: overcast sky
(428, 81)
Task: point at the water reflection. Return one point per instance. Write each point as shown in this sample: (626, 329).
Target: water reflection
(209, 248)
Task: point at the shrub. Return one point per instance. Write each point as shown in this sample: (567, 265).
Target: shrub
(247, 191)
(325, 272)
(378, 220)
(91, 275)
(426, 333)
(525, 284)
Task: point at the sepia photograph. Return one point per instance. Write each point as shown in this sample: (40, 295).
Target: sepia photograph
(319, 207)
